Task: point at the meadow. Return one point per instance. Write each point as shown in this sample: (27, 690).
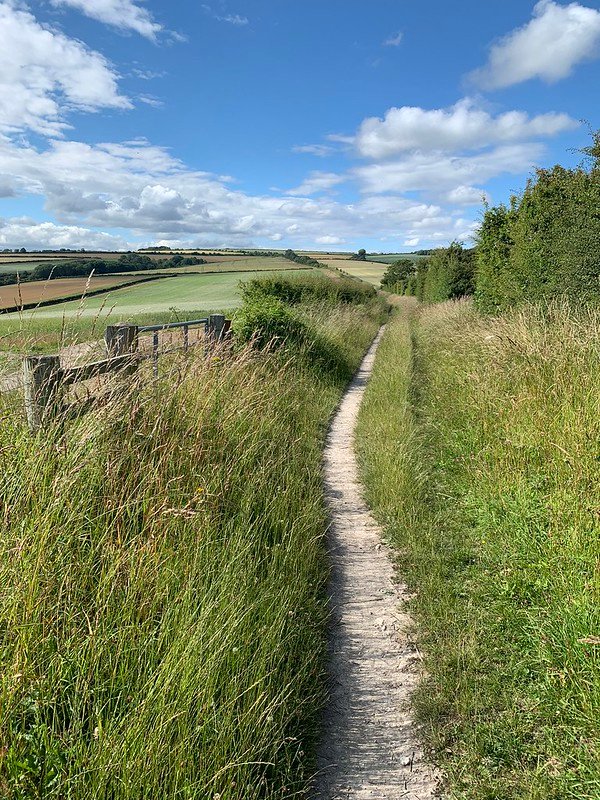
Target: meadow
(479, 447)
(164, 569)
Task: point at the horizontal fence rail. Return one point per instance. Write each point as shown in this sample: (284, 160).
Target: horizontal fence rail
(44, 379)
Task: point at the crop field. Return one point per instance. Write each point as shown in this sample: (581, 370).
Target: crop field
(184, 292)
(241, 264)
(366, 271)
(390, 258)
(42, 291)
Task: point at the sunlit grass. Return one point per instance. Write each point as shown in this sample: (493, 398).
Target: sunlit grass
(162, 579)
(479, 444)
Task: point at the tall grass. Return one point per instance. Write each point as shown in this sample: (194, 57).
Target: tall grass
(479, 445)
(161, 581)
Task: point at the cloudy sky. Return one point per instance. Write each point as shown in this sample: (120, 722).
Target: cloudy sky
(333, 124)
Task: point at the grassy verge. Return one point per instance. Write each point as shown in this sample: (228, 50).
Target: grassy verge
(162, 573)
(479, 445)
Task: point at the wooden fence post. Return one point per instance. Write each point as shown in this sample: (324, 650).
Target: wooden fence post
(42, 384)
(214, 327)
(121, 339)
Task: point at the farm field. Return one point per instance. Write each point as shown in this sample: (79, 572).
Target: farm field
(372, 273)
(225, 263)
(390, 258)
(184, 293)
(42, 291)
(241, 264)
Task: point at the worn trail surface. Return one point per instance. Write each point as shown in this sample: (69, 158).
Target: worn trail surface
(369, 747)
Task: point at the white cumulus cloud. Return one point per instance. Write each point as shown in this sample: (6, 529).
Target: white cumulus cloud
(141, 188)
(317, 182)
(44, 74)
(462, 126)
(549, 46)
(34, 235)
(126, 15)
(440, 173)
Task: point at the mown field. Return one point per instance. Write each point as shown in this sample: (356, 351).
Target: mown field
(163, 571)
(366, 271)
(479, 447)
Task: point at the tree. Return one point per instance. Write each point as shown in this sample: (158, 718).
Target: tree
(397, 275)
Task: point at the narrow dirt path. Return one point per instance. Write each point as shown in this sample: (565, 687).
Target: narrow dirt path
(369, 747)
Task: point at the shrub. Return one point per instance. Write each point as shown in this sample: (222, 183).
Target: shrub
(301, 288)
(267, 321)
(547, 243)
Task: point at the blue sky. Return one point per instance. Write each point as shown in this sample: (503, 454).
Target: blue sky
(324, 124)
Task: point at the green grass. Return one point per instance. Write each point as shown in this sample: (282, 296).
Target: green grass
(163, 572)
(479, 447)
(183, 292)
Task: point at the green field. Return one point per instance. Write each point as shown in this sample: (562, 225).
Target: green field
(7, 267)
(238, 265)
(390, 258)
(184, 292)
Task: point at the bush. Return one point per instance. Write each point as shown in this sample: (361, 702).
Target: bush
(301, 288)
(547, 243)
(268, 321)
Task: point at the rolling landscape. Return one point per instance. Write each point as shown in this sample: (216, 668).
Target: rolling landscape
(300, 394)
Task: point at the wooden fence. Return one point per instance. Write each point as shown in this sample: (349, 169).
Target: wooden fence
(45, 380)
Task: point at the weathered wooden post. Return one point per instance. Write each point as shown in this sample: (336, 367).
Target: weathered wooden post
(214, 327)
(155, 353)
(42, 385)
(121, 339)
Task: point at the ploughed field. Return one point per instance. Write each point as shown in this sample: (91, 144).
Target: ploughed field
(43, 291)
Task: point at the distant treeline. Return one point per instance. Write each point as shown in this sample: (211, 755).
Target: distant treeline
(543, 244)
(447, 273)
(307, 261)
(128, 262)
(221, 254)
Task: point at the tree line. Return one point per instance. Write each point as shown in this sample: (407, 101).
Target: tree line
(448, 273)
(76, 268)
(544, 243)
